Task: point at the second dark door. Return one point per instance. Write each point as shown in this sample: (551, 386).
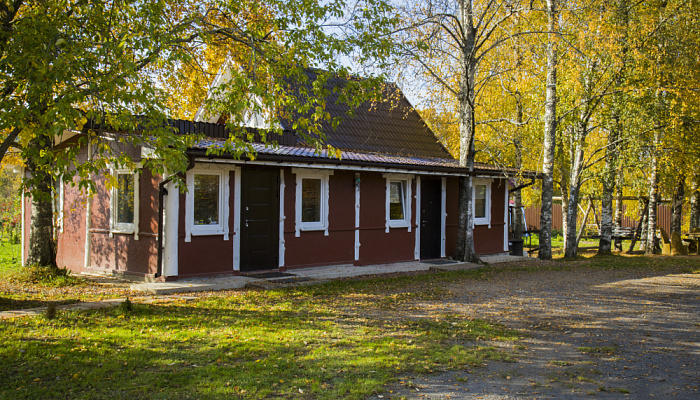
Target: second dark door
(259, 219)
(430, 211)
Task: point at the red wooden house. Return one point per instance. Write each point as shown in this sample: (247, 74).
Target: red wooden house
(391, 197)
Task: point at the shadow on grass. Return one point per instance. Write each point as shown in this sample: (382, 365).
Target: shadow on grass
(256, 345)
(7, 304)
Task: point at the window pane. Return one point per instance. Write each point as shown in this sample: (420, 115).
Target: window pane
(206, 199)
(310, 200)
(125, 198)
(480, 201)
(396, 200)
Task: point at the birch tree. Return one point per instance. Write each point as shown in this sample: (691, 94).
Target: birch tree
(449, 44)
(550, 131)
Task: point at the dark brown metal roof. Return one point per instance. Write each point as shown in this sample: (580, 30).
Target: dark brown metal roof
(389, 126)
(307, 154)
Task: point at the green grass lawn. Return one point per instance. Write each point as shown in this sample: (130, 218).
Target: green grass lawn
(17, 291)
(344, 339)
(10, 258)
(339, 340)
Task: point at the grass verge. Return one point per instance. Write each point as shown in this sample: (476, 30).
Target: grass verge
(326, 342)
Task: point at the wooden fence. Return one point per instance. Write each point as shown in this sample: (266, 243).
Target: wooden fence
(663, 215)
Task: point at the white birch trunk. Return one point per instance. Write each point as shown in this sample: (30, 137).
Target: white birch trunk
(653, 195)
(465, 234)
(550, 129)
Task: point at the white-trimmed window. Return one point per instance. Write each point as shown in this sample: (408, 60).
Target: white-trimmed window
(481, 192)
(398, 201)
(207, 211)
(58, 200)
(311, 203)
(124, 210)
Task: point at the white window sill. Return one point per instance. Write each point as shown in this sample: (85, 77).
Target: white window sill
(399, 224)
(122, 231)
(481, 221)
(312, 228)
(207, 232)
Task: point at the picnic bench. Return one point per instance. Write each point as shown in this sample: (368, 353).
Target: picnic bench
(693, 239)
(621, 233)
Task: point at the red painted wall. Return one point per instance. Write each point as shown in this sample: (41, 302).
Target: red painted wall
(206, 255)
(490, 240)
(313, 247)
(71, 243)
(377, 246)
(486, 240)
(123, 252)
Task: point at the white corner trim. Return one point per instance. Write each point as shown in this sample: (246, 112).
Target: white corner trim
(61, 200)
(324, 176)
(416, 249)
(505, 218)
(237, 219)
(225, 205)
(408, 201)
(282, 218)
(22, 240)
(137, 205)
(386, 206)
(170, 231)
(443, 217)
(357, 216)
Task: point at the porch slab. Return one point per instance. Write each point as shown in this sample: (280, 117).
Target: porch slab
(193, 285)
(312, 275)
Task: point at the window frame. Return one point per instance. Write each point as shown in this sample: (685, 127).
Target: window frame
(486, 219)
(407, 202)
(221, 228)
(124, 228)
(324, 177)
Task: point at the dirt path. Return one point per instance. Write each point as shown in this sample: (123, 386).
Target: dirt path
(609, 334)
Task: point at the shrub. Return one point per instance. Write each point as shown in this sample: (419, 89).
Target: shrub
(46, 275)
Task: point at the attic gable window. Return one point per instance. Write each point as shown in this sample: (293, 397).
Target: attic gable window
(311, 200)
(398, 201)
(482, 201)
(124, 204)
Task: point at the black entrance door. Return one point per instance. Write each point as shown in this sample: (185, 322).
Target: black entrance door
(430, 209)
(260, 207)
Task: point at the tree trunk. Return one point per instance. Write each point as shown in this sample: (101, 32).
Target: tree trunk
(564, 172)
(611, 177)
(518, 225)
(694, 207)
(42, 247)
(550, 130)
(653, 194)
(609, 180)
(677, 206)
(619, 203)
(677, 246)
(571, 247)
(644, 212)
(465, 250)
(582, 228)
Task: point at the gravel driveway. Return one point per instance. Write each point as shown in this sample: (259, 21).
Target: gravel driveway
(627, 333)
